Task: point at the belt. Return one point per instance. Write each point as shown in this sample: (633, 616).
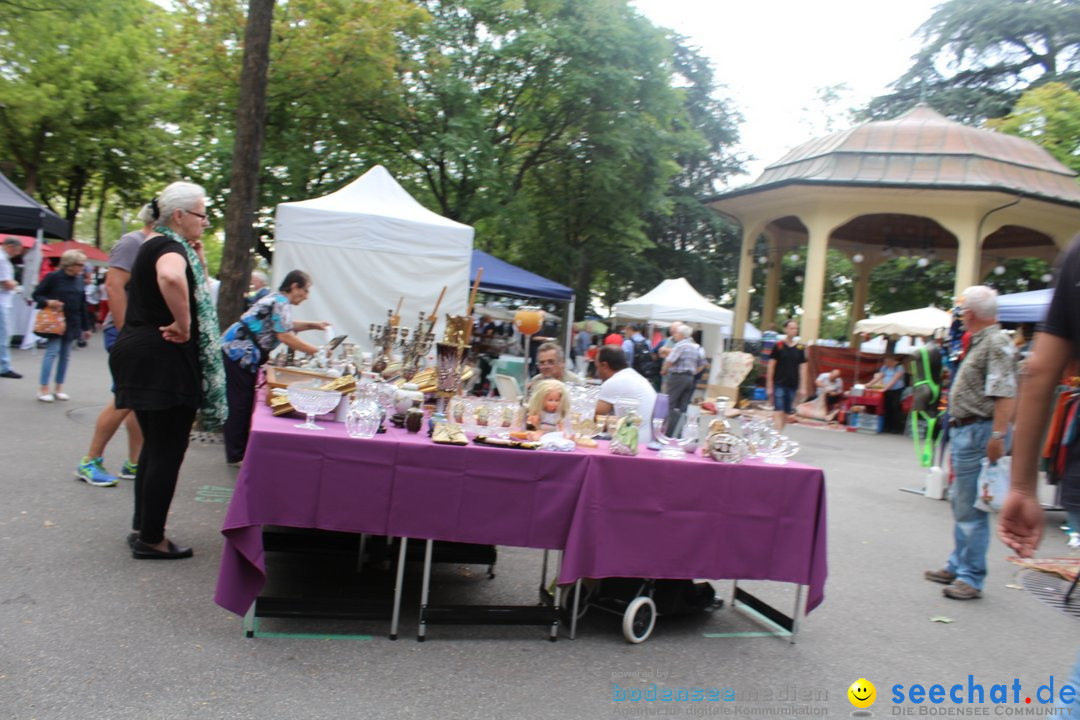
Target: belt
(961, 422)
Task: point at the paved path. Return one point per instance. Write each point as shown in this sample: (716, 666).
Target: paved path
(88, 632)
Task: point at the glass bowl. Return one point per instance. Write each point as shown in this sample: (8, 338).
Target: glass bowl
(307, 397)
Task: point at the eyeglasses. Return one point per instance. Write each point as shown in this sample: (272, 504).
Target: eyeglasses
(198, 215)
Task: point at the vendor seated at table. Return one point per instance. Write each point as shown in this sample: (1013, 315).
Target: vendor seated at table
(830, 387)
(623, 381)
(551, 361)
(246, 346)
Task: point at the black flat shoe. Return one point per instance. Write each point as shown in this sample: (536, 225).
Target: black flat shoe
(132, 537)
(142, 551)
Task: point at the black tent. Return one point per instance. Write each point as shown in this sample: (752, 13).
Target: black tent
(20, 214)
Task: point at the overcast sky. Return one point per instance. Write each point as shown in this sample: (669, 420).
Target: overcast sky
(774, 56)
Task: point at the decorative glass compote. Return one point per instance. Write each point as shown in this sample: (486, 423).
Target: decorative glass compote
(307, 397)
(674, 448)
(528, 320)
(778, 451)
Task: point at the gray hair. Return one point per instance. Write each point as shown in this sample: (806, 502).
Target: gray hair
(260, 276)
(177, 196)
(72, 257)
(10, 241)
(982, 301)
(549, 345)
(146, 214)
(681, 330)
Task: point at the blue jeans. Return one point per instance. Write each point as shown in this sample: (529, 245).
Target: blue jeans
(5, 341)
(784, 398)
(972, 530)
(56, 346)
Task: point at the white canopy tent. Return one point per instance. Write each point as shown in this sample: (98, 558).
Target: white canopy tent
(366, 246)
(921, 322)
(676, 299)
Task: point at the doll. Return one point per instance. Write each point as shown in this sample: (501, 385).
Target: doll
(549, 408)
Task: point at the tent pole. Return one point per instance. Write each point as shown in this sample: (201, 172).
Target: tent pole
(568, 325)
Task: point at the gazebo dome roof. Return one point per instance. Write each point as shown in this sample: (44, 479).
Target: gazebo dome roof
(924, 149)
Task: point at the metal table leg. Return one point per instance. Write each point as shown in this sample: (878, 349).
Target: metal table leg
(398, 582)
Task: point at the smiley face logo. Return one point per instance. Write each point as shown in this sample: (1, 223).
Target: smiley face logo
(862, 693)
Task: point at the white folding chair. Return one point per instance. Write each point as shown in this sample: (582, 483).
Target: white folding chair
(508, 387)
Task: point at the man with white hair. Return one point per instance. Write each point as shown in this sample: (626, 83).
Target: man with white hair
(981, 402)
(681, 366)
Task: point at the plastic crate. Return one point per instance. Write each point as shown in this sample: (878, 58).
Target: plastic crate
(868, 423)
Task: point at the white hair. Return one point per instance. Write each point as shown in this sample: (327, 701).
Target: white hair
(260, 276)
(681, 330)
(177, 196)
(145, 214)
(982, 301)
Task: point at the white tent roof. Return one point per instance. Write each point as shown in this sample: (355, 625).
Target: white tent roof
(373, 212)
(920, 322)
(677, 299)
(367, 245)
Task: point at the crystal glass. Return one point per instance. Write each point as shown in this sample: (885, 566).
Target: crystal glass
(674, 448)
(364, 415)
(307, 398)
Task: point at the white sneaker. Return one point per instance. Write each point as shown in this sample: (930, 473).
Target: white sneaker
(47, 397)
(62, 396)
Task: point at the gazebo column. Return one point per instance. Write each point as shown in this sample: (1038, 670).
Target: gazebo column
(862, 292)
(751, 230)
(968, 256)
(774, 270)
(819, 226)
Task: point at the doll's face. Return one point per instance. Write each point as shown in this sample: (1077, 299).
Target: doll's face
(552, 400)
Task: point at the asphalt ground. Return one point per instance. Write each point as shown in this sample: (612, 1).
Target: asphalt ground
(88, 632)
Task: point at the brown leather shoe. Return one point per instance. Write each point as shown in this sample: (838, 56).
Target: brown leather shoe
(960, 590)
(942, 576)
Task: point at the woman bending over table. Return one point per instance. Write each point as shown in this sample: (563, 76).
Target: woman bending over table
(247, 344)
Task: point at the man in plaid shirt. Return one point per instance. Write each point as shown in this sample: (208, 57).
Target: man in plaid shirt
(681, 365)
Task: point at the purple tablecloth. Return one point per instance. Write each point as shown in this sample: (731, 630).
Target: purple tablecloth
(611, 515)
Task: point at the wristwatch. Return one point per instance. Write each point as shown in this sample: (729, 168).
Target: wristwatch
(997, 435)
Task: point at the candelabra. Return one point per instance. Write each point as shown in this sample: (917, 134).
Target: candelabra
(414, 350)
(386, 338)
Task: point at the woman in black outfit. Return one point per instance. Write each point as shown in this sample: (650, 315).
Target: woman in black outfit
(163, 361)
(63, 289)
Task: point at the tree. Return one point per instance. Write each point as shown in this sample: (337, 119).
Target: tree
(247, 153)
(1050, 116)
(901, 284)
(979, 56)
(81, 99)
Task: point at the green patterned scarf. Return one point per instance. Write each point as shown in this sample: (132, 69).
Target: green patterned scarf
(214, 408)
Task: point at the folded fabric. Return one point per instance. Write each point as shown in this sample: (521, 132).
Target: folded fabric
(558, 442)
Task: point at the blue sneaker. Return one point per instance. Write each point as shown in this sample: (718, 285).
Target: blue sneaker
(127, 472)
(92, 471)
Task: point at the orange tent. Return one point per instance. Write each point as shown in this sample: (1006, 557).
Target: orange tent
(59, 248)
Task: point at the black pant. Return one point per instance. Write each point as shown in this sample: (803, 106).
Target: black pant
(165, 441)
(680, 388)
(894, 415)
(240, 395)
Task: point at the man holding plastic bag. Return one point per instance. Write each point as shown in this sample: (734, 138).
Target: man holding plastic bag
(980, 407)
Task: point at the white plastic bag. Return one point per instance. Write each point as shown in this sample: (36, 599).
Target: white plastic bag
(993, 484)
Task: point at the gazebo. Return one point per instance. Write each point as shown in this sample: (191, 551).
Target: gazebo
(920, 184)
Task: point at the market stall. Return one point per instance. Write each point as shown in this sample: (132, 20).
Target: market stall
(677, 299)
(369, 246)
(611, 515)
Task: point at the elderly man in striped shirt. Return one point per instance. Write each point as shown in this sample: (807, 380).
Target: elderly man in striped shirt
(681, 365)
